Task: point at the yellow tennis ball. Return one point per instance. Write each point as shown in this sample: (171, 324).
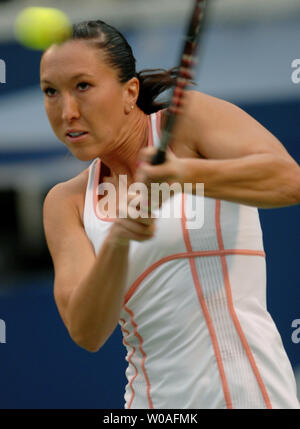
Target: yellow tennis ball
(40, 27)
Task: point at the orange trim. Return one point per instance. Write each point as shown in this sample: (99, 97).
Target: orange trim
(158, 123)
(130, 361)
(183, 255)
(95, 184)
(143, 353)
(150, 143)
(206, 312)
(158, 129)
(232, 310)
(95, 196)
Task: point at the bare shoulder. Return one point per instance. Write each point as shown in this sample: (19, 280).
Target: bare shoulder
(71, 251)
(70, 193)
(198, 112)
(216, 128)
(196, 107)
(72, 186)
(201, 106)
(203, 109)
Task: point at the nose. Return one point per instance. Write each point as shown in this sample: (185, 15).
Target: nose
(70, 108)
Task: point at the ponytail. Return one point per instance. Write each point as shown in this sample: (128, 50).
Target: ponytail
(152, 84)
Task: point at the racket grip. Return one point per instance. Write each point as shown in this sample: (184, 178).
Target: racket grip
(159, 157)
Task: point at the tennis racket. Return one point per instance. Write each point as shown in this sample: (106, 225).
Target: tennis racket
(184, 77)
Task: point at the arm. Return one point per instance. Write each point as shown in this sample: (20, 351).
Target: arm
(261, 180)
(88, 288)
(240, 161)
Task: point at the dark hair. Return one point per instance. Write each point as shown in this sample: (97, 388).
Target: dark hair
(120, 56)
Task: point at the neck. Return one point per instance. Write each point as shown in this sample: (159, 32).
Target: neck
(132, 138)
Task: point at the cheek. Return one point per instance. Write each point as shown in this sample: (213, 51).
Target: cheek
(53, 114)
(111, 100)
(106, 110)
(54, 118)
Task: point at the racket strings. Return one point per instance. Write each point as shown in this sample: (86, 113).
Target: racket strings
(188, 60)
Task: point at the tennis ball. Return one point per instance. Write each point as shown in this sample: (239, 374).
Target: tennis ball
(40, 27)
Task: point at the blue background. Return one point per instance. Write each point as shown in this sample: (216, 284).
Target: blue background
(41, 367)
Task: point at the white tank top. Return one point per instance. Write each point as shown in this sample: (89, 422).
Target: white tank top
(194, 317)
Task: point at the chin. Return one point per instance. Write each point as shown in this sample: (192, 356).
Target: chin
(86, 151)
(83, 154)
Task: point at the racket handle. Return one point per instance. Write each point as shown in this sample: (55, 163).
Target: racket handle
(159, 157)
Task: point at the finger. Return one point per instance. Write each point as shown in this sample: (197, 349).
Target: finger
(147, 173)
(137, 207)
(123, 235)
(144, 217)
(133, 227)
(146, 154)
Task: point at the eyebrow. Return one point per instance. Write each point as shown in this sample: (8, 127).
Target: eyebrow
(76, 76)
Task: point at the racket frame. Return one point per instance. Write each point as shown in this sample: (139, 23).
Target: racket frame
(184, 77)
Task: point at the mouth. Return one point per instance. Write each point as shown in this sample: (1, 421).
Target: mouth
(74, 136)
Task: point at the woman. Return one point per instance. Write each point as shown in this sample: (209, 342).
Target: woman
(190, 303)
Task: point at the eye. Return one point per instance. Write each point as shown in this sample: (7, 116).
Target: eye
(83, 86)
(50, 92)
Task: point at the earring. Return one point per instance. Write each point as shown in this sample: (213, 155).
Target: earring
(132, 107)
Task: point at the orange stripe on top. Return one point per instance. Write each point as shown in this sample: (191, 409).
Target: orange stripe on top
(143, 353)
(183, 255)
(130, 361)
(95, 194)
(158, 123)
(232, 310)
(205, 311)
(159, 130)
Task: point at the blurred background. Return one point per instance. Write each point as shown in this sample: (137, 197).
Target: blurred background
(247, 56)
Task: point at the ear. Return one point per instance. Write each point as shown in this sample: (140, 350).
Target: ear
(131, 94)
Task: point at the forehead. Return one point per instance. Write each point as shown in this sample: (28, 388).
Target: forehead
(71, 58)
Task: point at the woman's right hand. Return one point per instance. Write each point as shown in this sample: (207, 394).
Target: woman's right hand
(126, 227)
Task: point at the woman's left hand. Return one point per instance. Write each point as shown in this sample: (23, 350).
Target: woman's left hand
(171, 171)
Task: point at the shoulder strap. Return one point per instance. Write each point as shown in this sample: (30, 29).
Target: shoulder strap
(154, 126)
(89, 194)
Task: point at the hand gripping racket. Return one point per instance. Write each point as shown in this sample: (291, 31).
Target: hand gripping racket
(187, 61)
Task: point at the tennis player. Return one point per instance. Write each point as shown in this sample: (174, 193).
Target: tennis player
(191, 303)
